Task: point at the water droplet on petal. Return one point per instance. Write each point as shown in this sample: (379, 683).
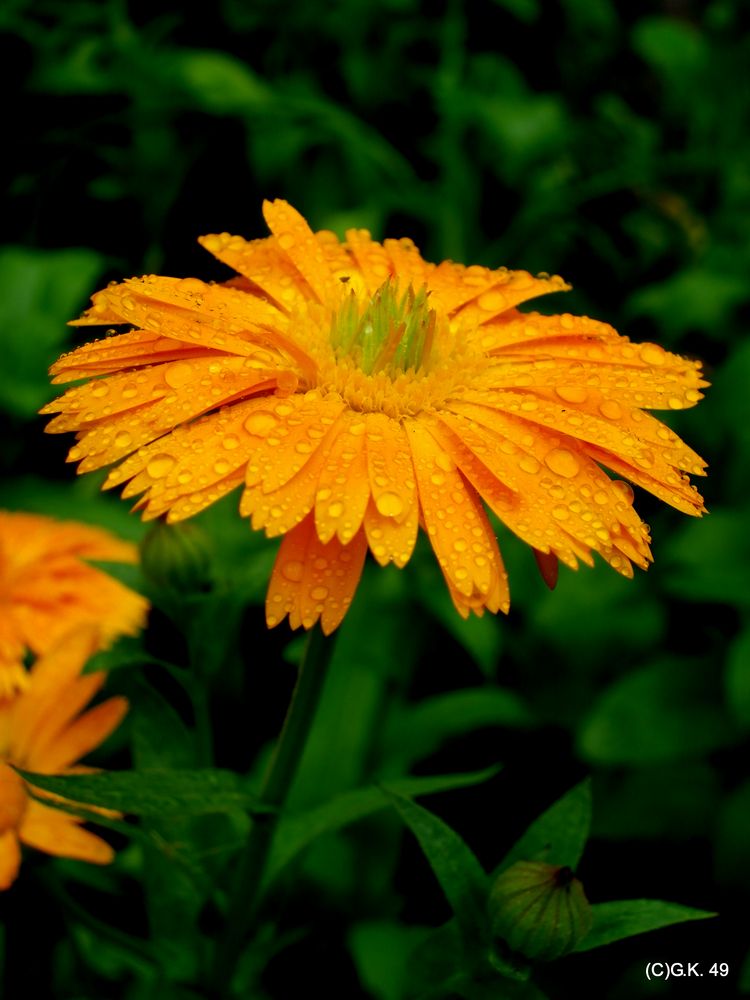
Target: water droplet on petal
(100, 390)
(560, 513)
(336, 509)
(286, 241)
(292, 570)
(652, 354)
(610, 409)
(562, 462)
(319, 593)
(572, 393)
(231, 442)
(491, 301)
(160, 465)
(676, 403)
(260, 422)
(178, 374)
(444, 462)
(123, 439)
(389, 504)
(624, 489)
(529, 464)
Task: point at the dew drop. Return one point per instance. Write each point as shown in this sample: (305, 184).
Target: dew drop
(184, 478)
(231, 442)
(437, 479)
(129, 390)
(221, 467)
(357, 429)
(444, 462)
(624, 489)
(191, 285)
(319, 593)
(460, 545)
(303, 447)
(178, 374)
(292, 570)
(529, 464)
(336, 509)
(160, 465)
(675, 403)
(572, 393)
(491, 301)
(100, 390)
(286, 241)
(601, 498)
(562, 462)
(389, 504)
(560, 513)
(652, 354)
(123, 439)
(610, 409)
(260, 422)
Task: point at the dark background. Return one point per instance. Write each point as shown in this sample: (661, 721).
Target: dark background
(605, 142)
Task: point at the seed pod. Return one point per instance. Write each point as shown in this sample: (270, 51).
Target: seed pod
(539, 910)
(176, 557)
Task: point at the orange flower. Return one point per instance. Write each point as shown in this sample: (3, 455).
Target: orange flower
(46, 588)
(358, 391)
(41, 730)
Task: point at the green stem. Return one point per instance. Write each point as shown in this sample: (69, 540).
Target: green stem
(245, 898)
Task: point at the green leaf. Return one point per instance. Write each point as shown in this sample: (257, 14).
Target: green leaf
(461, 877)
(559, 835)
(152, 793)
(666, 711)
(625, 918)
(40, 290)
(216, 82)
(419, 730)
(737, 677)
(381, 950)
(709, 560)
(294, 833)
(731, 837)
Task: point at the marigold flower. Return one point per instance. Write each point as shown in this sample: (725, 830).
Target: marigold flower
(41, 730)
(46, 588)
(358, 391)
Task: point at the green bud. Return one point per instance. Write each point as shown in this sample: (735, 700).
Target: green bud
(539, 910)
(177, 557)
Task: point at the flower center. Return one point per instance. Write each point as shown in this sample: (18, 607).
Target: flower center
(391, 332)
(13, 799)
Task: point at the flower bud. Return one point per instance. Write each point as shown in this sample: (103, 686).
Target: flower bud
(539, 910)
(176, 557)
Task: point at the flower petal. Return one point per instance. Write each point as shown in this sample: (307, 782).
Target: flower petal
(53, 832)
(81, 736)
(313, 580)
(10, 858)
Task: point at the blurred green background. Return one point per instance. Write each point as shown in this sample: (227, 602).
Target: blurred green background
(605, 142)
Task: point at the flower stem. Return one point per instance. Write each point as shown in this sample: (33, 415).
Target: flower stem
(245, 898)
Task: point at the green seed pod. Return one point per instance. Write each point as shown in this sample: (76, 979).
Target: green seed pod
(539, 910)
(176, 558)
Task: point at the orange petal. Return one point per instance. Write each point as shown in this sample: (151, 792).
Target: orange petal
(53, 832)
(390, 467)
(343, 487)
(454, 518)
(85, 734)
(312, 580)
(390, 541)
(10, 858)
(297, 240)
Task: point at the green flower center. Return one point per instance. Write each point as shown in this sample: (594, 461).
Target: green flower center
(393, 332)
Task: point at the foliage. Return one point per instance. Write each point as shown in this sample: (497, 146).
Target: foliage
(605, 142)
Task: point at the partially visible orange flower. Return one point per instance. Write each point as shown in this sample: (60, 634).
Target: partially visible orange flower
(359, 392)
(47, 588)
(41, 730)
